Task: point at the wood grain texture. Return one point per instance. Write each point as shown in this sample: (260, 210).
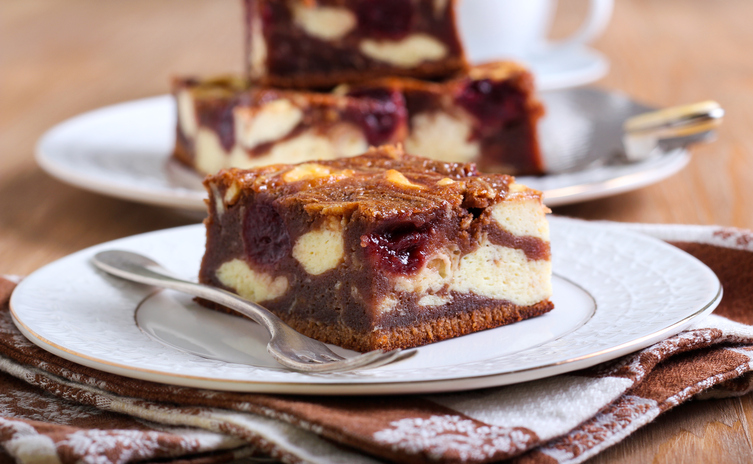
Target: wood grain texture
(62, 57)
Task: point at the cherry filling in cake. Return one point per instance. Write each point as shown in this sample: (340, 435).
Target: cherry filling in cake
(380, 112)
(493, 104)
(382, 250)
(398, 249)
(503, 124)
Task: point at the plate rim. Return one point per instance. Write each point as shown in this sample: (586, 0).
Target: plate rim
(176, 198)
(373, 387)
(678, 157)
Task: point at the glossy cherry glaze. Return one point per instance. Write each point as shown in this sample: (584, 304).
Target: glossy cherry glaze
(399, 248)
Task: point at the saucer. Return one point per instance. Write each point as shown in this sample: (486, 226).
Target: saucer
(563, 67)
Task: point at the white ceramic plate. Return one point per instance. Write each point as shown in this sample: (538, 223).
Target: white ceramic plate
(123, 151)
(615, 292)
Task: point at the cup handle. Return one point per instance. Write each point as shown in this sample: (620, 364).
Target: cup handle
(598, 18)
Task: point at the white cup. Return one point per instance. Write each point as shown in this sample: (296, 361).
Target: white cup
(497, 29)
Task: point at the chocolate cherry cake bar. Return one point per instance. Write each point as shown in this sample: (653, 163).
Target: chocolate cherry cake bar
(224, 123)
(324, 43)
(488, 115)
(382, 250)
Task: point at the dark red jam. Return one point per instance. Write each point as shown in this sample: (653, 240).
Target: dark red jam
(265, 235)
(399, 249)
(379, 111)
(385, 19)
(494, 104)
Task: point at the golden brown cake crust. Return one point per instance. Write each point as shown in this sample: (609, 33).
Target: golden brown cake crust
(485, 316)
(442, 328)
(368, 184)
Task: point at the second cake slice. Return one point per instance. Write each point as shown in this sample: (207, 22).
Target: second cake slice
(488, 116)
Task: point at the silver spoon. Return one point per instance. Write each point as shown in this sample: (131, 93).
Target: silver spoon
(289, 348)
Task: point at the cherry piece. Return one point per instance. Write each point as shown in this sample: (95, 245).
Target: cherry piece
(379, 112)
(264, 233)
(385, 19)
(400, 249)
(494, 104)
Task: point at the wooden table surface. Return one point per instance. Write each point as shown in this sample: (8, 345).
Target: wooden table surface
(60, 58)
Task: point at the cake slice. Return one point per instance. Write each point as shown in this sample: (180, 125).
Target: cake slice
(225, 122)
(382, 250)
(488, 115)
(324, 43)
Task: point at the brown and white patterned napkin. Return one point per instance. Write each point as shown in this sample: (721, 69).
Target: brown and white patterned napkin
(52, 410)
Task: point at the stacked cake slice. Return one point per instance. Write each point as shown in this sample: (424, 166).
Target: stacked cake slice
(487, 114)
(323, 43)
(328, 78)
(315, 210)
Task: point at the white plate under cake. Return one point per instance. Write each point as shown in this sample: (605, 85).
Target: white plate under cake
(614, 292)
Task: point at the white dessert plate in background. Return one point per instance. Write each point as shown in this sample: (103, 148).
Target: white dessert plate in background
(124, 151)
(614, 292)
